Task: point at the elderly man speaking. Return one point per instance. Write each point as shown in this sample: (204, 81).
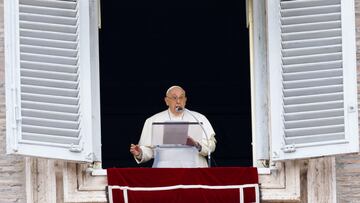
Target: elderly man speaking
(175, 99)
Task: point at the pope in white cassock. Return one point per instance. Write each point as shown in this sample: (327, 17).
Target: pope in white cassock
(175, 99)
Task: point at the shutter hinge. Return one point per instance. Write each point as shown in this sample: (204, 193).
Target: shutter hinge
(289, 148)
(351, 109)
(276, 155)
(75, 149)
(89, 156)
(17, 114)
(16, 102)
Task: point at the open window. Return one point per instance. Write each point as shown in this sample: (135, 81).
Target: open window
(148, 46)
(52, 85)
(52, 81)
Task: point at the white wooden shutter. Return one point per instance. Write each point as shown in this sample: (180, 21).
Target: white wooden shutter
(313, 89)
(52, 110)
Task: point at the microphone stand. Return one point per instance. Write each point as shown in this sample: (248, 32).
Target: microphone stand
(202, 127)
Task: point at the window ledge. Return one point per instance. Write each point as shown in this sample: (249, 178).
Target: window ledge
(98, 172)
(264, 171)
(277, 184)
(103, 172)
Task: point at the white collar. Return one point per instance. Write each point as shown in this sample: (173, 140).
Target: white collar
(174, 117)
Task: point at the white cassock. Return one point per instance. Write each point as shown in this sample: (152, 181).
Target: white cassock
(164, 116)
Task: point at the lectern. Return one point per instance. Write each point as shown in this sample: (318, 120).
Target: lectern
(169, 141)
(166, 156)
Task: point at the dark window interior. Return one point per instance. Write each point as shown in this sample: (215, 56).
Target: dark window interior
(148, 46)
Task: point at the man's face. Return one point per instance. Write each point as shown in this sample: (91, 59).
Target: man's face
(175, 98)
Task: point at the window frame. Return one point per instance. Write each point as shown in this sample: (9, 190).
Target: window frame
(82, 182)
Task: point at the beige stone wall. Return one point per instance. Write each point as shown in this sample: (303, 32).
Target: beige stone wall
(12, 169)
(348, 166)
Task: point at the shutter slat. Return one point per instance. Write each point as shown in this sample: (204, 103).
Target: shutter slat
(47, 19)
(48, 27)
(312, 90)
(50, 114)
(315, 138)
(311, 34)
(314, 130)
(48, 66)
(48, 51)
(307, 3)
(49, 74)
(311, 42)
(49, 99)
(311, 50)
(47, 3)
(314, 114)
(50, 91)
(41, 34)
(311, 19)
(312, 66)
(50, 123)
(313, 82)
(300, 11)
(313, 74)
(49, 82)
(48, 43)
(48, 11)
(50, 131)
(311, 27)
(49, 59)
(317, 106)
(50, 107)
(314, 58)
(313, 98)
(50, 138)
(314, 122)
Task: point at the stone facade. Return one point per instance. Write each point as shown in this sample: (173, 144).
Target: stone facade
(12, 168)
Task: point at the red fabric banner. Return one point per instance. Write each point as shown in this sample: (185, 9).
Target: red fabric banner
(161, 177)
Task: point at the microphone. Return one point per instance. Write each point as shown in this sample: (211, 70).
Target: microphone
(180, 109)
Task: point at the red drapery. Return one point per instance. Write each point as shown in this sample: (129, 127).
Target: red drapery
(160, 177)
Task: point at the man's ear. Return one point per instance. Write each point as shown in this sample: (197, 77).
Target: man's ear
(166, 101)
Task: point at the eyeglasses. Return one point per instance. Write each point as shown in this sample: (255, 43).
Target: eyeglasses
(175, 98)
